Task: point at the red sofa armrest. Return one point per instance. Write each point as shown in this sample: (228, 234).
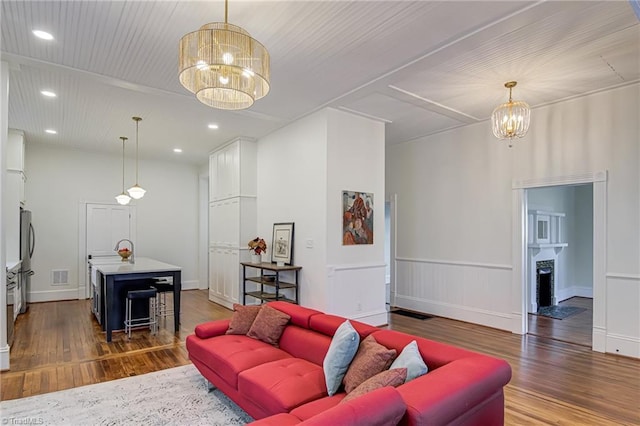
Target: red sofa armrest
(444, 394)
(212, 328)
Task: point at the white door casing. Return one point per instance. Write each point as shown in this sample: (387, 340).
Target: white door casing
(519, 248)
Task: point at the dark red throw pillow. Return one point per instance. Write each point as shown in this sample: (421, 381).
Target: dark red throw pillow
(370, 359)
(242, 318)
(269, 325)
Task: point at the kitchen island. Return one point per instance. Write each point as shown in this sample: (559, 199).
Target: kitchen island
(113, 277)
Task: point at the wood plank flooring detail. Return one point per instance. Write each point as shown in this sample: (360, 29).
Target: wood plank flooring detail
(59, 345)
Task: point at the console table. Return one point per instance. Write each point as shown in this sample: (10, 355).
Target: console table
(114, 276)
(270, 280)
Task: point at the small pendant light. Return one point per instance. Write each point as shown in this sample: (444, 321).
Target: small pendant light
(123, 198)
(136, 190)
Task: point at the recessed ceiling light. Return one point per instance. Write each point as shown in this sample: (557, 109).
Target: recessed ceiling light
(42, 34)
(177, 150)
(48, 93)
(213, 126)
(51, 131)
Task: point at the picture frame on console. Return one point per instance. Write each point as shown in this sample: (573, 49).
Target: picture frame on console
(282, 243)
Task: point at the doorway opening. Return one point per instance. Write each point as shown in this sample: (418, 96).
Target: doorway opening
(390, 249)
(559, 261)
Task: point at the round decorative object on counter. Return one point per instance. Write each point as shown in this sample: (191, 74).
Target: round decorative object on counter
(124, 254)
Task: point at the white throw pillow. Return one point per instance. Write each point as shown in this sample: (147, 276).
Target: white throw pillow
(342, 349)
(411, 359)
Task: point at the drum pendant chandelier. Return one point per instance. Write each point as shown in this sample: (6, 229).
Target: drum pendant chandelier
(224, 66)
(511, 120)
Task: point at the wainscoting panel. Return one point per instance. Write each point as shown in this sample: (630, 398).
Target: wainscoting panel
(473, 292)
(623, 314)
(358, 292)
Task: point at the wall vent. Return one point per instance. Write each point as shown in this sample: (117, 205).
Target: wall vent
(59, 277)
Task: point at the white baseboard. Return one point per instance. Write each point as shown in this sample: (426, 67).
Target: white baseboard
(4, 358)
(375, 319)
(53, 295)
(499, 320)
(574, 291)
(191, 285)
(623, 345)
(599, 343)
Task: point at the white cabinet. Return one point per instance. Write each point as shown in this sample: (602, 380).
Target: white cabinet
(15, 150)
(14, 194)
(232, 217)
(232, 170)
(224, 273)
(232, 222)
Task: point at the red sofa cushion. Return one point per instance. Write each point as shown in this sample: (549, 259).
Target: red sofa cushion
(300, 315)
(433, 353)
(231, 354)
(318, 406)
(382, 407)
(282, 419)
(304, 343)
(282, 385)
(328, 324)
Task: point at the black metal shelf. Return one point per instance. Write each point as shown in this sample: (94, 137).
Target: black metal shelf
(268, 297)
(259, 280)
(270, 280)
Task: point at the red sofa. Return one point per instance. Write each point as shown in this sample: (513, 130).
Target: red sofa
(461, 387)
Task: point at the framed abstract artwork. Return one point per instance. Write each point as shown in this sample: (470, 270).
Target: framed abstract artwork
(282, 243)
(357, 218)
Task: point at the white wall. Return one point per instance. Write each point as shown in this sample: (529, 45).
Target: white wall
(302, 170)
(292, 170)
(61, 179)
(455, 209)
(583, 239)
(4, 130)
(356, 286)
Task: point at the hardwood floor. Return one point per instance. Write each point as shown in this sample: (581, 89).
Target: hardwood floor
(574, 329)
(59, 345)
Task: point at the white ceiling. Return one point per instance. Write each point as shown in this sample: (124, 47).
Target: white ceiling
(420, 66)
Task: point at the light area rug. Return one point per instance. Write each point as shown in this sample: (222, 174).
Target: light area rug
(177, 396)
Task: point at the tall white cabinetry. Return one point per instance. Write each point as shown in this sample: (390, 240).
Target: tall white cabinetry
(14, 197)
(232, 217)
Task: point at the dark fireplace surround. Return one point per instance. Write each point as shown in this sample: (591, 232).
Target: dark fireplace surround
(544, 282)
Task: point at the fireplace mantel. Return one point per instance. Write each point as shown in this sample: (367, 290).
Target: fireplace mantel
(545, 230)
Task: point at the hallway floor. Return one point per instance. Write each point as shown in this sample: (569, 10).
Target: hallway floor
(574, 329)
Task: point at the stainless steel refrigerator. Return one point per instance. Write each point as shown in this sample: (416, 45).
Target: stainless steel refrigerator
(27, 245)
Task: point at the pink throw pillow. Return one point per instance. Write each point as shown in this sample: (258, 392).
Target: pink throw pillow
(394, 378)
(242, 318)
(370, 359)
(269, 325)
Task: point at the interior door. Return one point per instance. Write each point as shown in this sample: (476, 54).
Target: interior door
(106, 224)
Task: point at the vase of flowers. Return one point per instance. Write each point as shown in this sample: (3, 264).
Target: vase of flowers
(257, 247)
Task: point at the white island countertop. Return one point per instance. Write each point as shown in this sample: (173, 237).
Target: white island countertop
(142, 265)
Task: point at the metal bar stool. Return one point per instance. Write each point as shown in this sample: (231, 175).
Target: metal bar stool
(163, 286)
(149, 294)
